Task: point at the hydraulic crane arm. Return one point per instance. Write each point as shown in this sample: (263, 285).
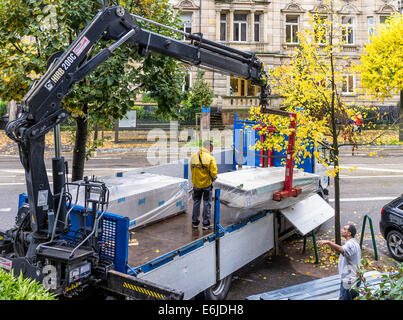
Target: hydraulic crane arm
(41, 111)
(117, 24)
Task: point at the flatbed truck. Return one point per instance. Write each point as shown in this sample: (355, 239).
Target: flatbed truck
(71, 248)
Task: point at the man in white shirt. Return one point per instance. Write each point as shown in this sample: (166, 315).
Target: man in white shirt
(349, 261)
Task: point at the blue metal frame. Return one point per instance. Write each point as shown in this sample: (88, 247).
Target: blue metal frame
(217, 226)
(250, 137)
(186, 169)
(114, 240)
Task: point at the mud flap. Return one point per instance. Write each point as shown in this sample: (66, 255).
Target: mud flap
(138, 289)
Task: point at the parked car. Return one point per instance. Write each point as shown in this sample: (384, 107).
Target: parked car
(391, 226)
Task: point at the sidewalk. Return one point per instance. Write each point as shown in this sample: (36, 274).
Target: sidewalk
(129, 141)
(293, 267)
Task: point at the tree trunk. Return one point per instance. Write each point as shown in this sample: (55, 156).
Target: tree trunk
(336, 180)
(337, 226)
(333, 130)
(96, 132)
(80, 148)
(401, 117)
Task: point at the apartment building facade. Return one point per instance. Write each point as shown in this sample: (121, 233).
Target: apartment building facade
(269, 28)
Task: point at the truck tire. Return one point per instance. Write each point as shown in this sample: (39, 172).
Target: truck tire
(219, 291)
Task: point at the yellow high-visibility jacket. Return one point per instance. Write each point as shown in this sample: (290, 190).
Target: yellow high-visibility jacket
(202, 174)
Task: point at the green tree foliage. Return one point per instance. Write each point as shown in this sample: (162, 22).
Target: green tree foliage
(381, 67)
(382, 59)
(200, 94)
(389, 288)
(32, 30)
(166, 86)
(3, 108)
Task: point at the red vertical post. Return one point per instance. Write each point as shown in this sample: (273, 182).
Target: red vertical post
(289, 165)
(270, 157)
(289, 190)
(262, 138)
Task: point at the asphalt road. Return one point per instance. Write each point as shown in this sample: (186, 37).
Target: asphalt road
(373, 182)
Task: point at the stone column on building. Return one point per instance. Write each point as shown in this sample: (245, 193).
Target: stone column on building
(231, 25)
(218, 24)
(265, 27)
(251, 32)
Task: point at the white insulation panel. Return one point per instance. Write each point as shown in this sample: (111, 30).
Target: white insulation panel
(253, 188)
(144, 197)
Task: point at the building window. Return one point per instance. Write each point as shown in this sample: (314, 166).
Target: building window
(240, 27)
(243, 88)
(291, 29)
(257, 28)
(382, 19)
(223, 27)
(186, 19)
(371, 26)
(348, 84)
(348, 29)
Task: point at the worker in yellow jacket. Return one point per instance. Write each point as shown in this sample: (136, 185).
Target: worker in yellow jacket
(204, 171)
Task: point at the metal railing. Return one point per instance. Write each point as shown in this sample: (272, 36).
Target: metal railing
(367, 217)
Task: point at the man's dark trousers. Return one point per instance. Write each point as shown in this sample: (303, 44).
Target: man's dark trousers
(207, 195)
(348, 294)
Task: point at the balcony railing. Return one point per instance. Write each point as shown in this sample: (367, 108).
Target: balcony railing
(235, 102)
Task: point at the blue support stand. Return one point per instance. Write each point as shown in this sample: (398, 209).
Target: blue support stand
(186, 169)
(217, 228)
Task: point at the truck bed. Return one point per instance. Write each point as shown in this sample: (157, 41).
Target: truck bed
(167, 235)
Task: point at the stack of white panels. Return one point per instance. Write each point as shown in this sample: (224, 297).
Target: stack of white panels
(143, 197)
(253, 188)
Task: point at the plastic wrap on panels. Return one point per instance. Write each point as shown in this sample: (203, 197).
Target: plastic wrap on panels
(247, 191)
(144, 197)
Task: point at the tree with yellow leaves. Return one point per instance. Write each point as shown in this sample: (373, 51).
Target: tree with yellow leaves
(311, 83)
(381, 67)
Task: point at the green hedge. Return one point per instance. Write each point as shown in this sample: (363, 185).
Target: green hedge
(3, 108)
(145, 115)
(389, 288)
(18, 288)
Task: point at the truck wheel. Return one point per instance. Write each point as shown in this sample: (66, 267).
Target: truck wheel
(394, 239)
(220, 290)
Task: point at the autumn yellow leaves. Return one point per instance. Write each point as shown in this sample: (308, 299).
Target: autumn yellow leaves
(381, 66)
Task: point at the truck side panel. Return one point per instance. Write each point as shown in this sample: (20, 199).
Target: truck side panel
(190, 273)
(243, 245)
(195, 271)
